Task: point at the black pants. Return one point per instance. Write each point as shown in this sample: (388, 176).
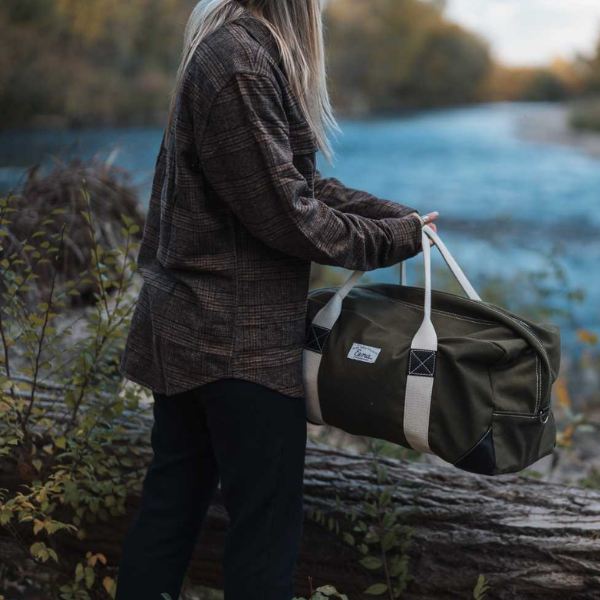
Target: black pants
(253, 439)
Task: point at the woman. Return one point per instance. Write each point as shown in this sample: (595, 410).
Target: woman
(237, 213)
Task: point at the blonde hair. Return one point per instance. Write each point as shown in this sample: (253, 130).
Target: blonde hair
(298, 30)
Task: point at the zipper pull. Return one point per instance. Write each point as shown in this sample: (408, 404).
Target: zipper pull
(544, 414)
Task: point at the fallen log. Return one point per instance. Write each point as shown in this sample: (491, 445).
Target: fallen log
(530, 539)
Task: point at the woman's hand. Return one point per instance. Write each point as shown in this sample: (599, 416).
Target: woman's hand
(428, 220)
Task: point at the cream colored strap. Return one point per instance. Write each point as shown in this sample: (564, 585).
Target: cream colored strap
(423, 354)
(403, 273)
(465, 284)
(421, 369)
(320, 327)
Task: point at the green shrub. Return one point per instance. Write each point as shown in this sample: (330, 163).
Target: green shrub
(62, 401)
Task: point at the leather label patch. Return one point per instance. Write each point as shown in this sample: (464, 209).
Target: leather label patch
(363, 353)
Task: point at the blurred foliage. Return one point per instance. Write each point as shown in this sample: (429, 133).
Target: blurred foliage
(585, 113)
(592, 71)
(70, 63)
(559, 81)
(393, 54)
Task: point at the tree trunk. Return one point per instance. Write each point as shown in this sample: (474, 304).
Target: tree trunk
(531, 539)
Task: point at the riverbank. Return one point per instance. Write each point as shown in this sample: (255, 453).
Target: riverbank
(550, 125)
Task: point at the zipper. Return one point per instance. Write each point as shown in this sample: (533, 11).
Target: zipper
(543, 414)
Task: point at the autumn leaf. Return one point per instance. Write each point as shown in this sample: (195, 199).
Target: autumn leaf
(587, 337)
(562, 393)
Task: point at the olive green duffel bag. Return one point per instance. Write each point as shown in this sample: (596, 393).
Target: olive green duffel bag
(457, 377)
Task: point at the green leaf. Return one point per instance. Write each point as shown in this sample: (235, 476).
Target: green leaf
(39, 550)
(481, 588)
(389, 540)
(372, 537)
(52, 554)
(327, 590)
(89, 577)
(376, 589)
(385, 498)
(388, 520)
(398, 565)
(38, 526)
(371, 562)
(109, 584)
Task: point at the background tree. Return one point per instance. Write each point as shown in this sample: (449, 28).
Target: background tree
(408, 56)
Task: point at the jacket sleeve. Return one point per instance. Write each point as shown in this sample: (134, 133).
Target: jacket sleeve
(150, 239)
(350, 200)
(246, 157)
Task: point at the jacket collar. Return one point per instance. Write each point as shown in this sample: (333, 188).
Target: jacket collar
(260, 32)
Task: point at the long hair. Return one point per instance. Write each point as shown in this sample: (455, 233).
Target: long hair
(298, 30)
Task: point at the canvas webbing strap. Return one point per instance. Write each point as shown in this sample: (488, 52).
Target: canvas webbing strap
(423, 352)
(320, 327)
(421, 369)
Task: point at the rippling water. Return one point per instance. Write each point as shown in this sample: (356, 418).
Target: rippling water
(504, 202)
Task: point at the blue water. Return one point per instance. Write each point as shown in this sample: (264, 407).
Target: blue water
(504, 202)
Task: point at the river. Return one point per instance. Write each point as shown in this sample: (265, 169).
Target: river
(506, 203)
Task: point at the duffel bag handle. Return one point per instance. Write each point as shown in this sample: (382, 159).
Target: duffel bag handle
(329, 314)
(454, 267)
(422, 359)
(464, 283)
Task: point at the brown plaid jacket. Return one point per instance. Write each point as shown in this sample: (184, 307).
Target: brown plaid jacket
(237, 213)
